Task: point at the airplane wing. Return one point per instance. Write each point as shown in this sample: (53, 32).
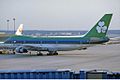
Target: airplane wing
(25, 48)
(34, 48)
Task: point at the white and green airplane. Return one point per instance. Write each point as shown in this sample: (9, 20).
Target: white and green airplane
(52, 44)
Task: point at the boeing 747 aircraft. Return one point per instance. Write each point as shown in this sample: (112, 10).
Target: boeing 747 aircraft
(53, 44)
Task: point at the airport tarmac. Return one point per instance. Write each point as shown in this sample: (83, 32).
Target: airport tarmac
(106, 57)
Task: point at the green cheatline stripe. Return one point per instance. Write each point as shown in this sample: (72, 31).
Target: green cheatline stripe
(47, 40)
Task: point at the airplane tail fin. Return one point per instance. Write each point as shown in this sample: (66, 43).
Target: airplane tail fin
(19, 30)
(101, 27)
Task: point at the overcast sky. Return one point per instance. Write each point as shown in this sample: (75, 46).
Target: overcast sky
(58, 14)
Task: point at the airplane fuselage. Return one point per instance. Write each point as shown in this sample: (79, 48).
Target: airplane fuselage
(55, 43)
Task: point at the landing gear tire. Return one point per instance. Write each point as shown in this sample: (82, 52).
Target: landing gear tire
(13, 52)
(39, 54)
(55, 53)
(48, 54)
(52, 53)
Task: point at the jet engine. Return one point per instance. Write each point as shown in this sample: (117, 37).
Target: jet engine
(21, 50)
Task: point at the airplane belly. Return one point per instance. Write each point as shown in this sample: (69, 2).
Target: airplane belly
(64, 47)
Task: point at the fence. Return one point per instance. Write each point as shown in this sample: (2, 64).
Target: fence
(57, 74)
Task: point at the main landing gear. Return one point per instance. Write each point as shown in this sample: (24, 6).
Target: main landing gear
(13, 51)
(52, 53)
(49, 53)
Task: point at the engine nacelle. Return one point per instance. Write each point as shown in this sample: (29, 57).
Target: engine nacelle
(21, 50)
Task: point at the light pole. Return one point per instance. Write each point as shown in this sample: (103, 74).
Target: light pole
(8, 25)
(14, 24)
